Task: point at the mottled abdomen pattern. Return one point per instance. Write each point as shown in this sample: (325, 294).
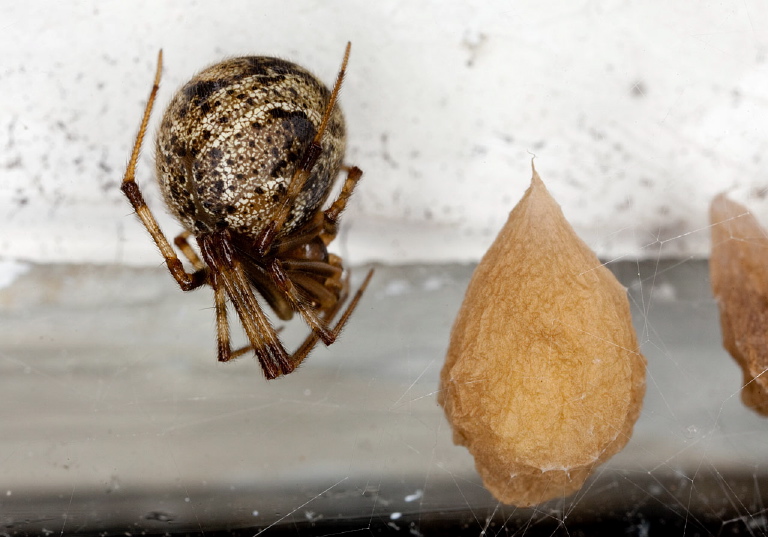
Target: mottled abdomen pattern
(231, 139)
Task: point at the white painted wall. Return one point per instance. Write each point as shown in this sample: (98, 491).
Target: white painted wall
(638, 113)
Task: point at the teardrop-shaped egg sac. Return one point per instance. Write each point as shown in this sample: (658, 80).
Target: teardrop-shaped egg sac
(738, 268)
(543, 379)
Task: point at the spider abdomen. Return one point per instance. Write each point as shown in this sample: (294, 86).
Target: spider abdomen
(232, 138)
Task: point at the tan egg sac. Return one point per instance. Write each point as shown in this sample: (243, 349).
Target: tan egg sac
(738, 269)
(543, 380)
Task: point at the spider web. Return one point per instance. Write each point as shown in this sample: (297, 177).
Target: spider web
(113, 404)
(115, 417)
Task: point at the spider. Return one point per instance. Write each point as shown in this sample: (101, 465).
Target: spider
(246, 156)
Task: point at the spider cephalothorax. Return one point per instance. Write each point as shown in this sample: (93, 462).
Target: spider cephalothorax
(247, 154)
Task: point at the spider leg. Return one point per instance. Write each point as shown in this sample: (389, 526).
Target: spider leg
(219, 255)
(222, 323)
(304, 169)
(324, 295)
(327, 296)
(308, 231)
(332, 213)
(324, 224)
(327, 269)
(341, 281)
(317, 324)
(326, 282)
(228, 272)
(328, 315)
(306, 347)
(131, 190)
(225, 352)
(182, 243)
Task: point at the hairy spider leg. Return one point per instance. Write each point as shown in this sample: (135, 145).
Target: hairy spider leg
(304, 168)
(130, 188)
(224, 348)
(317, 323)
(283, 271)
(324, 223)
(187, 281)
(182, 243)
(228, 274)
(332, 213)
(327, 230)
(312, 339)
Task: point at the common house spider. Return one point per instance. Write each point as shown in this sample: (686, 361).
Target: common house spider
(246, 156)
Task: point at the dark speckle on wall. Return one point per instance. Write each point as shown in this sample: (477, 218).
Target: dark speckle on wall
(638, 90)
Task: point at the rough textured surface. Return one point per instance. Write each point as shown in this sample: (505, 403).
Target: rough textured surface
(543, 380)
(667, 96)
(232, 138)
(739, 273)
